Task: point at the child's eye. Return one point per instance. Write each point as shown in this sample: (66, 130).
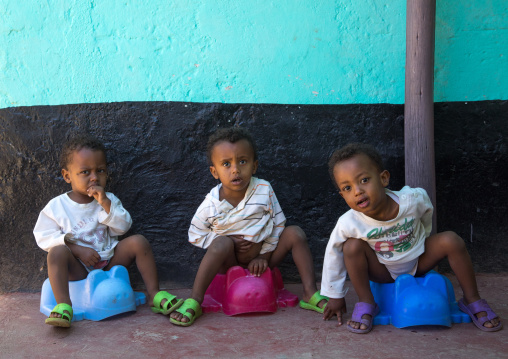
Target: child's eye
(364, 180)
(225, 164)
(85, 172)
(101, 171)
(346, 188)
(242, 162)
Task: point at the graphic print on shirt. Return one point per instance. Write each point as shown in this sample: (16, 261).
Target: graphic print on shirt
(87, 232)
(398, 238)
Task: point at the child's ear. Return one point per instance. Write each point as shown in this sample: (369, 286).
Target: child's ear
(214, 173)
(385, 178)
(66, 176)
(255, 166)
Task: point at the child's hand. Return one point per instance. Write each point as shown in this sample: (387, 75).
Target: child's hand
(99, 194)
(241, 245)
(335, 306)
(257, 266)
(88, 256)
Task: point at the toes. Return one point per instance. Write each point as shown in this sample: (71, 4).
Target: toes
(354, 325)
(488, 324)
(180, 317)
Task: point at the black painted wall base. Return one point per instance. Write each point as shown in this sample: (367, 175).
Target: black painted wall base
(159, 171)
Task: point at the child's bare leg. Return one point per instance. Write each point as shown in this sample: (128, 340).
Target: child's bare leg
(362, 265)
(137, 249)
(219, 256)
(450, 245)
(62, 267)
(294, 240)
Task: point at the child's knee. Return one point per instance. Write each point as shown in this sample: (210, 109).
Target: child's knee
(453, 240)
(139, 242)
(221, 245)
(295, 234)
(353, 246)
(58, 254)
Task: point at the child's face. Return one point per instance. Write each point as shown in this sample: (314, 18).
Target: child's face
(362, 186)
(87, 168)
(233, 164)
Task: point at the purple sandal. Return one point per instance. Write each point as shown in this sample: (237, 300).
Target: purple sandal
(362, 308)
(480, 306)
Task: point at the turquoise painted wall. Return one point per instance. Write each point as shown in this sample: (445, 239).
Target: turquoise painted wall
(241, 51)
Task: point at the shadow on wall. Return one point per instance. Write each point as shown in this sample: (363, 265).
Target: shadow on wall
(159, 170)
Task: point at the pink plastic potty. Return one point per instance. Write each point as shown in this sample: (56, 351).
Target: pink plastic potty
(239, 292)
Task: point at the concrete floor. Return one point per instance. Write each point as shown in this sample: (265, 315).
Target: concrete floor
(288, 333)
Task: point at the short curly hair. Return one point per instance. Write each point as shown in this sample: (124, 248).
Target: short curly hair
(230, 134)
(76, 144)
(352, 149)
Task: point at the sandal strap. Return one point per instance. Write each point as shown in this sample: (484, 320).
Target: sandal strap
(61, 309)
(190, 303)
(161, 296)
(316, 298)
(362, 308)
(482, 306)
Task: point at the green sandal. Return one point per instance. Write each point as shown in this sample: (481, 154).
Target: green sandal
(313, 303)
(65, 320)
(188, 304)
(165, 309)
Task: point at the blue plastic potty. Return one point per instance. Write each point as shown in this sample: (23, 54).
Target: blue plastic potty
(100, 295)
(410, 301)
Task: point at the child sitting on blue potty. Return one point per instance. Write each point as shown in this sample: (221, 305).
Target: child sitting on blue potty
(79, 230)
(386, 234)
(240, 222)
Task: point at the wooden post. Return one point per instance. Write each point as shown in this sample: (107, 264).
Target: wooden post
(419, 98)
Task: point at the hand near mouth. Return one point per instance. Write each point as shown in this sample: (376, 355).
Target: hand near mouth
(99, 194)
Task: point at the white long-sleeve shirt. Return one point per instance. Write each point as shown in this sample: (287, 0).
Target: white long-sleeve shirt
(395, 242)
(258, 217)
(85, 224)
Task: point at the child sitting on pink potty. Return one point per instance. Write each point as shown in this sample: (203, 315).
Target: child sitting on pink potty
(79, 230)
(386, 234)
(240, 222)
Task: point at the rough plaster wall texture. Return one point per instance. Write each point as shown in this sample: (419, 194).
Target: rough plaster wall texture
(308, 52)
(159, 171)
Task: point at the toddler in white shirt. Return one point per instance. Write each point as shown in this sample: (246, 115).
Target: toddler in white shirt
(79, 230)
(240, 222)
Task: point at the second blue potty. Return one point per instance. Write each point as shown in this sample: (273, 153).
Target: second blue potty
(410, 301)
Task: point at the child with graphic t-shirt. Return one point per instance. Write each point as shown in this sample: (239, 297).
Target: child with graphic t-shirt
(386, 234)
(79, 230)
